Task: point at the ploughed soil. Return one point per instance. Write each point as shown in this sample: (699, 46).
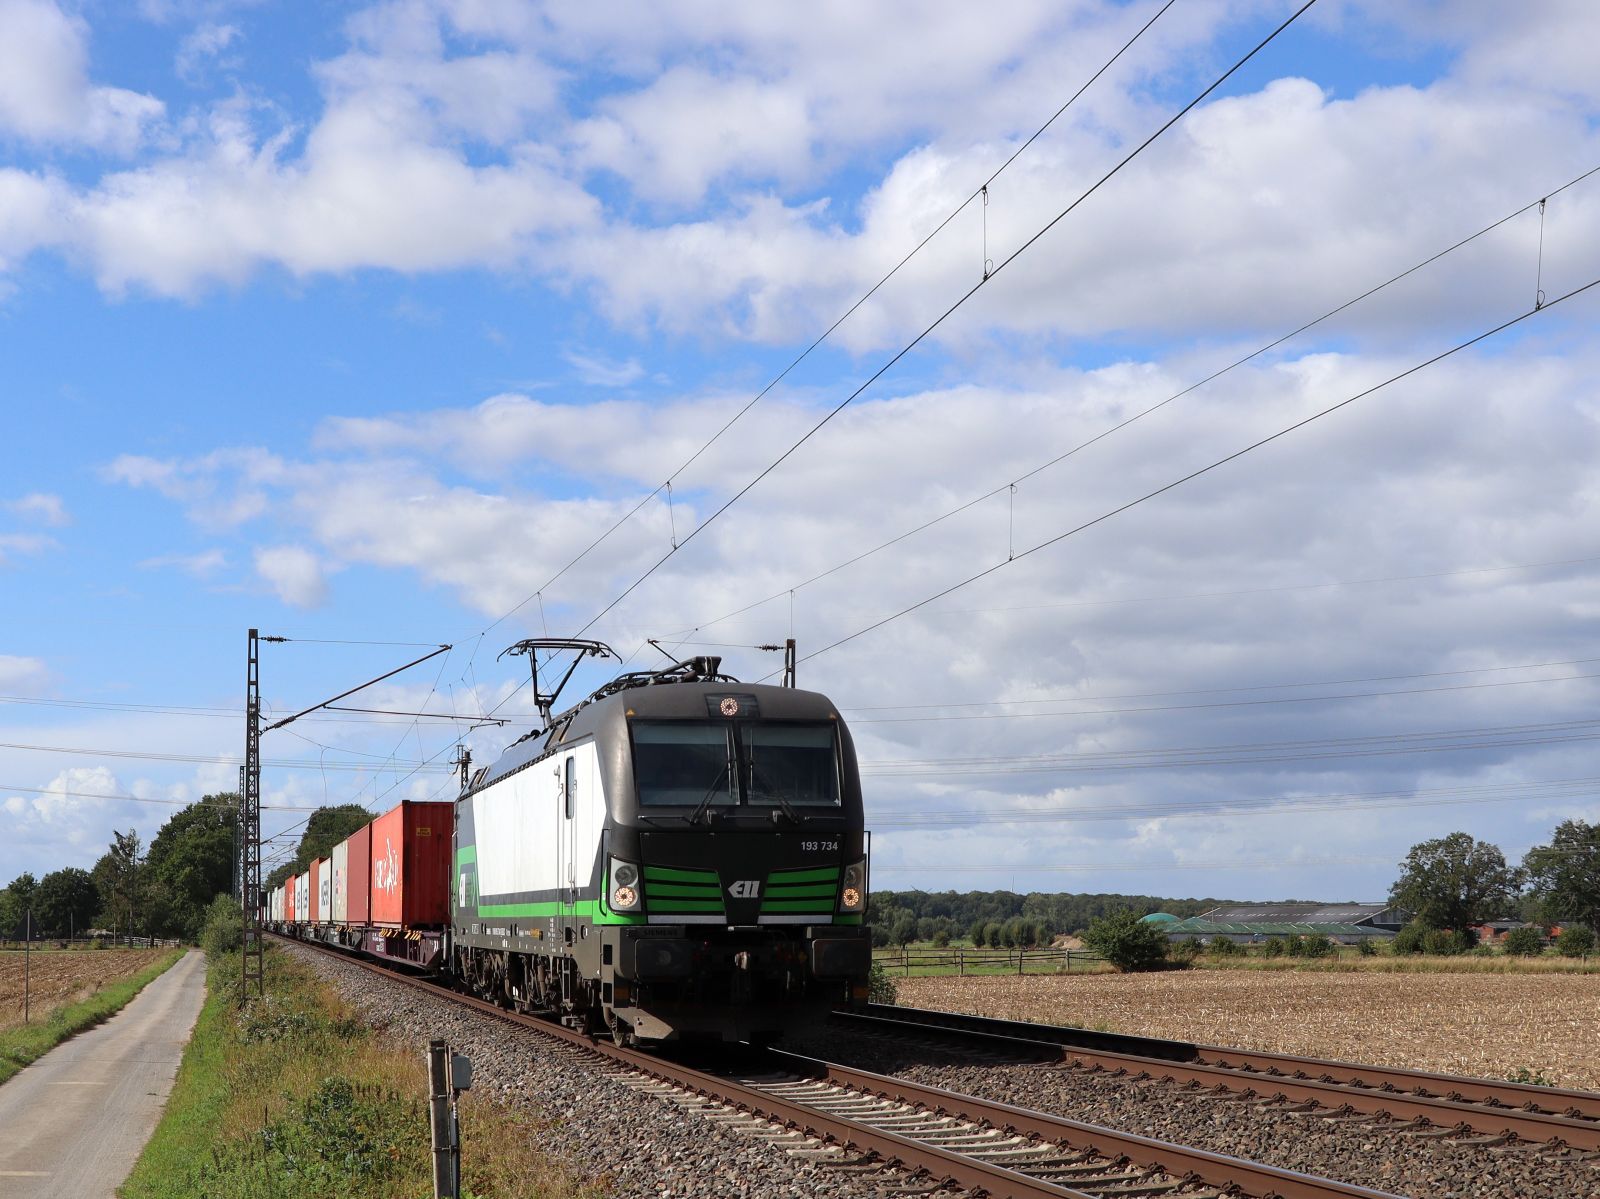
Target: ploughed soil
(59, 976)
(1478, 1024)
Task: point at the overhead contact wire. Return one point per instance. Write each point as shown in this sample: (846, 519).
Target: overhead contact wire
(1195, 386)
(920, 337)
(846, 315)
(1192, 475)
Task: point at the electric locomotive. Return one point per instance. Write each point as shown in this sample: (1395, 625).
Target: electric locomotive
(681, 855)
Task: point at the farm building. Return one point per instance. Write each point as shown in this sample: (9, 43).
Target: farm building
(1493, 932)
(1347, 923)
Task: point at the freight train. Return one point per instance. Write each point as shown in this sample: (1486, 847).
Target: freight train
(679, 856)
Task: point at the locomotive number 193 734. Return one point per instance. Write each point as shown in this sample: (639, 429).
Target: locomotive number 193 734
(820, 846)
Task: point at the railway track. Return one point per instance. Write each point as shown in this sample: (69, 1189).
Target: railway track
(855, 1120)
(1412, 1102)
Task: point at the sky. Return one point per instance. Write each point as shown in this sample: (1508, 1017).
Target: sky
(383, 327)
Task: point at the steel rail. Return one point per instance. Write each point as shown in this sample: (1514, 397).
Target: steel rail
(1185, 1165)
(1532, 1113)
(1200, 1165)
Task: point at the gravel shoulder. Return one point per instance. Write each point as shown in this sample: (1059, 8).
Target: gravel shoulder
(1483, 1025)
(630, 1143)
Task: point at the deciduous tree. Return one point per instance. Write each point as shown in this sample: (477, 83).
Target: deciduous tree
(1455, 881)
(66, 902)
(119, 876)
(1564, 876)
(190, 863)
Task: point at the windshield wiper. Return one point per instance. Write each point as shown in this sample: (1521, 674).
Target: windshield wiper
(705, 803)
(768, 789)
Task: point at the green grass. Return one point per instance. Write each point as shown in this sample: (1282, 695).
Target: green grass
(20, 1047)
(295, 1095)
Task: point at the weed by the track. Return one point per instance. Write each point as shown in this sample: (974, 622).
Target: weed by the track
(294, 1095)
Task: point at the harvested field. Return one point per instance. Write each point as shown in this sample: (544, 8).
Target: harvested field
(1485, 1025)
(63, 976)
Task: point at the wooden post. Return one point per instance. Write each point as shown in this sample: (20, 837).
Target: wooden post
(963, 960)
(439, 1122)
(27, 945)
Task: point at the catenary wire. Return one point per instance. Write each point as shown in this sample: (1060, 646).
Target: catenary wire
(181, 803)
(1286, 805)
(213, 759)
(1382, 678)
(945, 315)
(1239, 453)
(1232, 703)
(1101, 436)
(826, 333)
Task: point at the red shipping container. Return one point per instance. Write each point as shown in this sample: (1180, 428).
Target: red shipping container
(359, 876)
(288, 898)
(317, 867)
(411, 864)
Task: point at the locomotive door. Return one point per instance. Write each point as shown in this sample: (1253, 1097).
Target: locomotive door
(566, 854)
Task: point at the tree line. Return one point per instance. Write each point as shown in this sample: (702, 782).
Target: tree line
(163, 890)
(1004, 918)
(1457, 881)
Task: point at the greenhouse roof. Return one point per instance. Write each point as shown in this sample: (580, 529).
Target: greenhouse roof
(1199, 926)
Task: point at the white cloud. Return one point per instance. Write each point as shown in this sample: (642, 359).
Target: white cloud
(14, 545)
(600, 372)
(22, 674)
(204, 47)
(202, 565)
(248, 471)
(45, 93)
(294, 573)
(40, 506)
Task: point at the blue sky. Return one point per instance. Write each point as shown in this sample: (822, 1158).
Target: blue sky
(359, 323)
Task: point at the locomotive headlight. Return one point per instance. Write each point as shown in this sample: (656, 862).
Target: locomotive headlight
(852, 893)
(624, 886)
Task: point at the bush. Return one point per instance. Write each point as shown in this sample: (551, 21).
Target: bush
(994, 935)
(1445, 943)
(1367, 947)
(1524, 942)
(1187, 951)
(1317, 946)
(942, 938)
(223, 930)
(1126, 942)
(1275, 947)
(1223, 948)
(1410, 938)
(1575, 941)
(880, 987)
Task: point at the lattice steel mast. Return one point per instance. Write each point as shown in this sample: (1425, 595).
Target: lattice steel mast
(250, 824)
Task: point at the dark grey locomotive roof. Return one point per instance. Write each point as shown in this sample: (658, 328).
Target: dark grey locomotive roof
(606, 720)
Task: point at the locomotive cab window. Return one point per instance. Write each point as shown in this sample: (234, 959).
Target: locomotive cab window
(727, 763)
(683, 763)
(795, 763)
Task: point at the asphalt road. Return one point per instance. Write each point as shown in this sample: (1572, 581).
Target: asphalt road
(76, 1120)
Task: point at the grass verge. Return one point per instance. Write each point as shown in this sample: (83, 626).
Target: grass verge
(20, 1047)
(295, 1095)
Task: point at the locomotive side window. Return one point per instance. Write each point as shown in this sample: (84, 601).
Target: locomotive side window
(571, 788)
(683, 763)
(792, 762)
